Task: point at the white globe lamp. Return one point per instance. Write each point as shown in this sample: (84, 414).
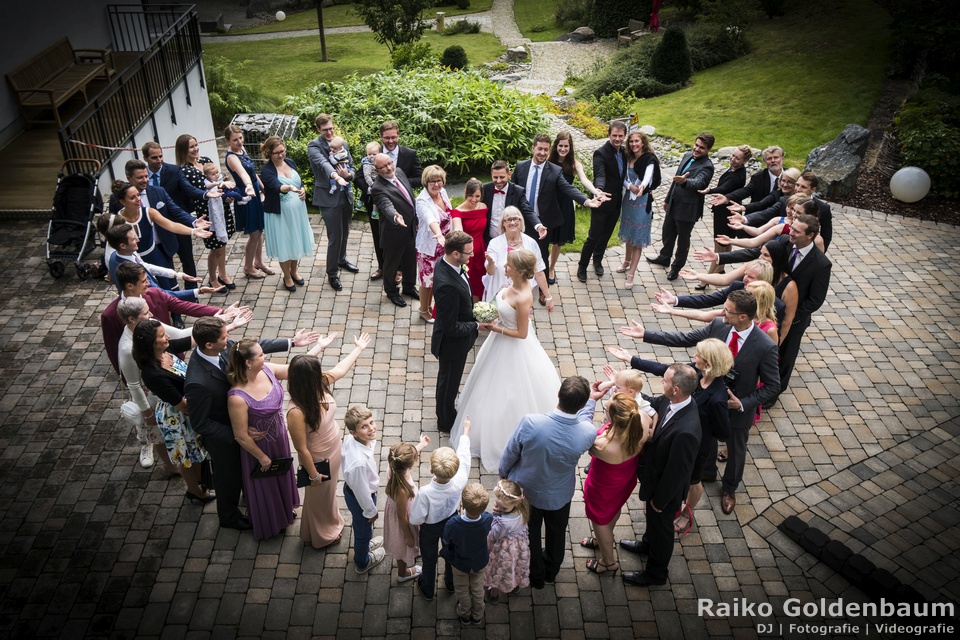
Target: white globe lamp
(910, 184)
(281, 16)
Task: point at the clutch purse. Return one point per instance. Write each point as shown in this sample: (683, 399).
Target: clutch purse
(323, 468)
(278, 467)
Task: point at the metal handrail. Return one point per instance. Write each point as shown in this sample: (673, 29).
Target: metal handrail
(135, 92)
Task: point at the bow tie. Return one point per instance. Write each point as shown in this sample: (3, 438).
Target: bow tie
(500, 191)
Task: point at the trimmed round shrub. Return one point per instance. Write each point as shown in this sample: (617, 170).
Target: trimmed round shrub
(463, 4)
(454, 57)
(670, 63)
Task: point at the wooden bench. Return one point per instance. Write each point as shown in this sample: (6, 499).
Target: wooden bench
(55, 75)
(633, 31)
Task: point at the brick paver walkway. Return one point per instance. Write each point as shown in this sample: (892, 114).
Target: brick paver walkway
(864, 444)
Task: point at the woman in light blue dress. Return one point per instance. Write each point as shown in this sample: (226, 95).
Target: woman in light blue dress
(287, 227)
(636, 214)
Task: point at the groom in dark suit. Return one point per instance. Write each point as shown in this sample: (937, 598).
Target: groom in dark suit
(455, 330)
(665, 477)
(394, 198)
(684, 204)
(754, 360)
(206, 390)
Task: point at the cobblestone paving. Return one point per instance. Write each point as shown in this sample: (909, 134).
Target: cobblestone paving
(864, 444)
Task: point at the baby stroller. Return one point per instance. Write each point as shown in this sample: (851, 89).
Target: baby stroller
(71, 234)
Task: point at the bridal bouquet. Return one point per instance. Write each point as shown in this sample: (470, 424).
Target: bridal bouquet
(485, 312)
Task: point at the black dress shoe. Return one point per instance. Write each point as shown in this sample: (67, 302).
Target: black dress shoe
(663, 262)
(582, 274)
(674, 274)
(700, 287)
(335, 283)
(635, 546)
(397, 299)
(299, 281)
(349, 266)
(210, 497)
(243, 524)
(411, 293)
(641, 579)
(598, 268)
(231, 286)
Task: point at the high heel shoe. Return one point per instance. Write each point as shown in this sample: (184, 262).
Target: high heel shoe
(629, 282)
(254, 275)
(623, 268)
(210, 497)
(229, 285)
(426, 316)
(593, 564)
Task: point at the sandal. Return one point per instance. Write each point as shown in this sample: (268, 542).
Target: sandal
(426, 316)
(683, 530)
(623, 267)
(267, 270)
(589, 543)
(256, 275)
(593, 564)
(629, 282)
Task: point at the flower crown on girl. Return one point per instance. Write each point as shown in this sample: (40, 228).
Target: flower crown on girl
(502, 490)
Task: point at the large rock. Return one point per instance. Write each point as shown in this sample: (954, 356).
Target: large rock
(516, 54)
(837, 163)
(581, 34)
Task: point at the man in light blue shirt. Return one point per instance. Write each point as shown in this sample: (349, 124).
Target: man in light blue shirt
(542, 457)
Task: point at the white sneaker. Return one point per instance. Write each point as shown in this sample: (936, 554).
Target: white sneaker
(376, 543)
(146, 456)
(376, 557)
(417, 571)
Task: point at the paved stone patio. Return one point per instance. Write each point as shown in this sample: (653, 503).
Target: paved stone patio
(864, 445)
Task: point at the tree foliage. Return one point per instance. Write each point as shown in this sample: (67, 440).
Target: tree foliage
(228, 95)
(609, 15)
(670, 63)
(394, 22)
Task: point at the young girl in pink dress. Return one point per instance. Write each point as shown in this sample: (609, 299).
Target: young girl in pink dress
(509, 543)
(399, 536)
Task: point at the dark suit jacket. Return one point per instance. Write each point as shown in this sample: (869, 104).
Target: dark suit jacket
(179, 188)
(670, 455)
(390, 201)
(206, 388)
(757, 188)
(161, 305)
(516, 196)
(318, 150)
(607, 175)
(552, 183)
(718, 297)
(271, 185)
(162, 202)
(812, 276)
(684, 201)
(756, 362)
(730, 181)
(455, 330)
(408, 161)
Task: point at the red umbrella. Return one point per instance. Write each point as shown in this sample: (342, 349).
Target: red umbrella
(654, 18)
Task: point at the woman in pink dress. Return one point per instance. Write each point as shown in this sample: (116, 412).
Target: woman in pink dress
(471, 217)
(613, 475)
(317, 436)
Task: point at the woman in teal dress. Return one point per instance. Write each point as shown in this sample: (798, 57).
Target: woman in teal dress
(289, 236)
(636, 214)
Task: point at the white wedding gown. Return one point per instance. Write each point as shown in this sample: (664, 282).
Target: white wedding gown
(511, 378)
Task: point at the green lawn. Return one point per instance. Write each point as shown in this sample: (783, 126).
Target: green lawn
(288, 66)
(537, 13)
(342, 15)
(807, 77)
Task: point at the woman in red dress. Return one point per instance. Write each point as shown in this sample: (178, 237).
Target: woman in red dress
(471, 217)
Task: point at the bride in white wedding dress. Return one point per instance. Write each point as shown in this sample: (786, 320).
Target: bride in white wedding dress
(512, 376)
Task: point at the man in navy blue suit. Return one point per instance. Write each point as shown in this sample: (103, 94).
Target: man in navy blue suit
(157, 198)
(170, 177)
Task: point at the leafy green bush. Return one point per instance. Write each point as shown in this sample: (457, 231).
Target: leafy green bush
(613, 105)
(454, 57)
(459, 119)
(711, 44)
(670, 63)
(539, 28)
(928, 128)
(628, 71)
(461, 26)
(414, 55)
(571, 14)
(609, 15)
(463, 4)
(228, 95)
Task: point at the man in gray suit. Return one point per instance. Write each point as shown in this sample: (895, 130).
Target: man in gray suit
(684, 204)
(754, 360)
(393, 195)
(336, 207)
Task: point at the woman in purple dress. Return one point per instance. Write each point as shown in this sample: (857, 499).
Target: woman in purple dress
(255, 403)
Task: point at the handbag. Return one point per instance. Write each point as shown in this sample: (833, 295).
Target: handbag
(278, 467)
(323, 468)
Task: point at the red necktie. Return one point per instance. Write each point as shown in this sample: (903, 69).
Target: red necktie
(734, 344)
(499, 191)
